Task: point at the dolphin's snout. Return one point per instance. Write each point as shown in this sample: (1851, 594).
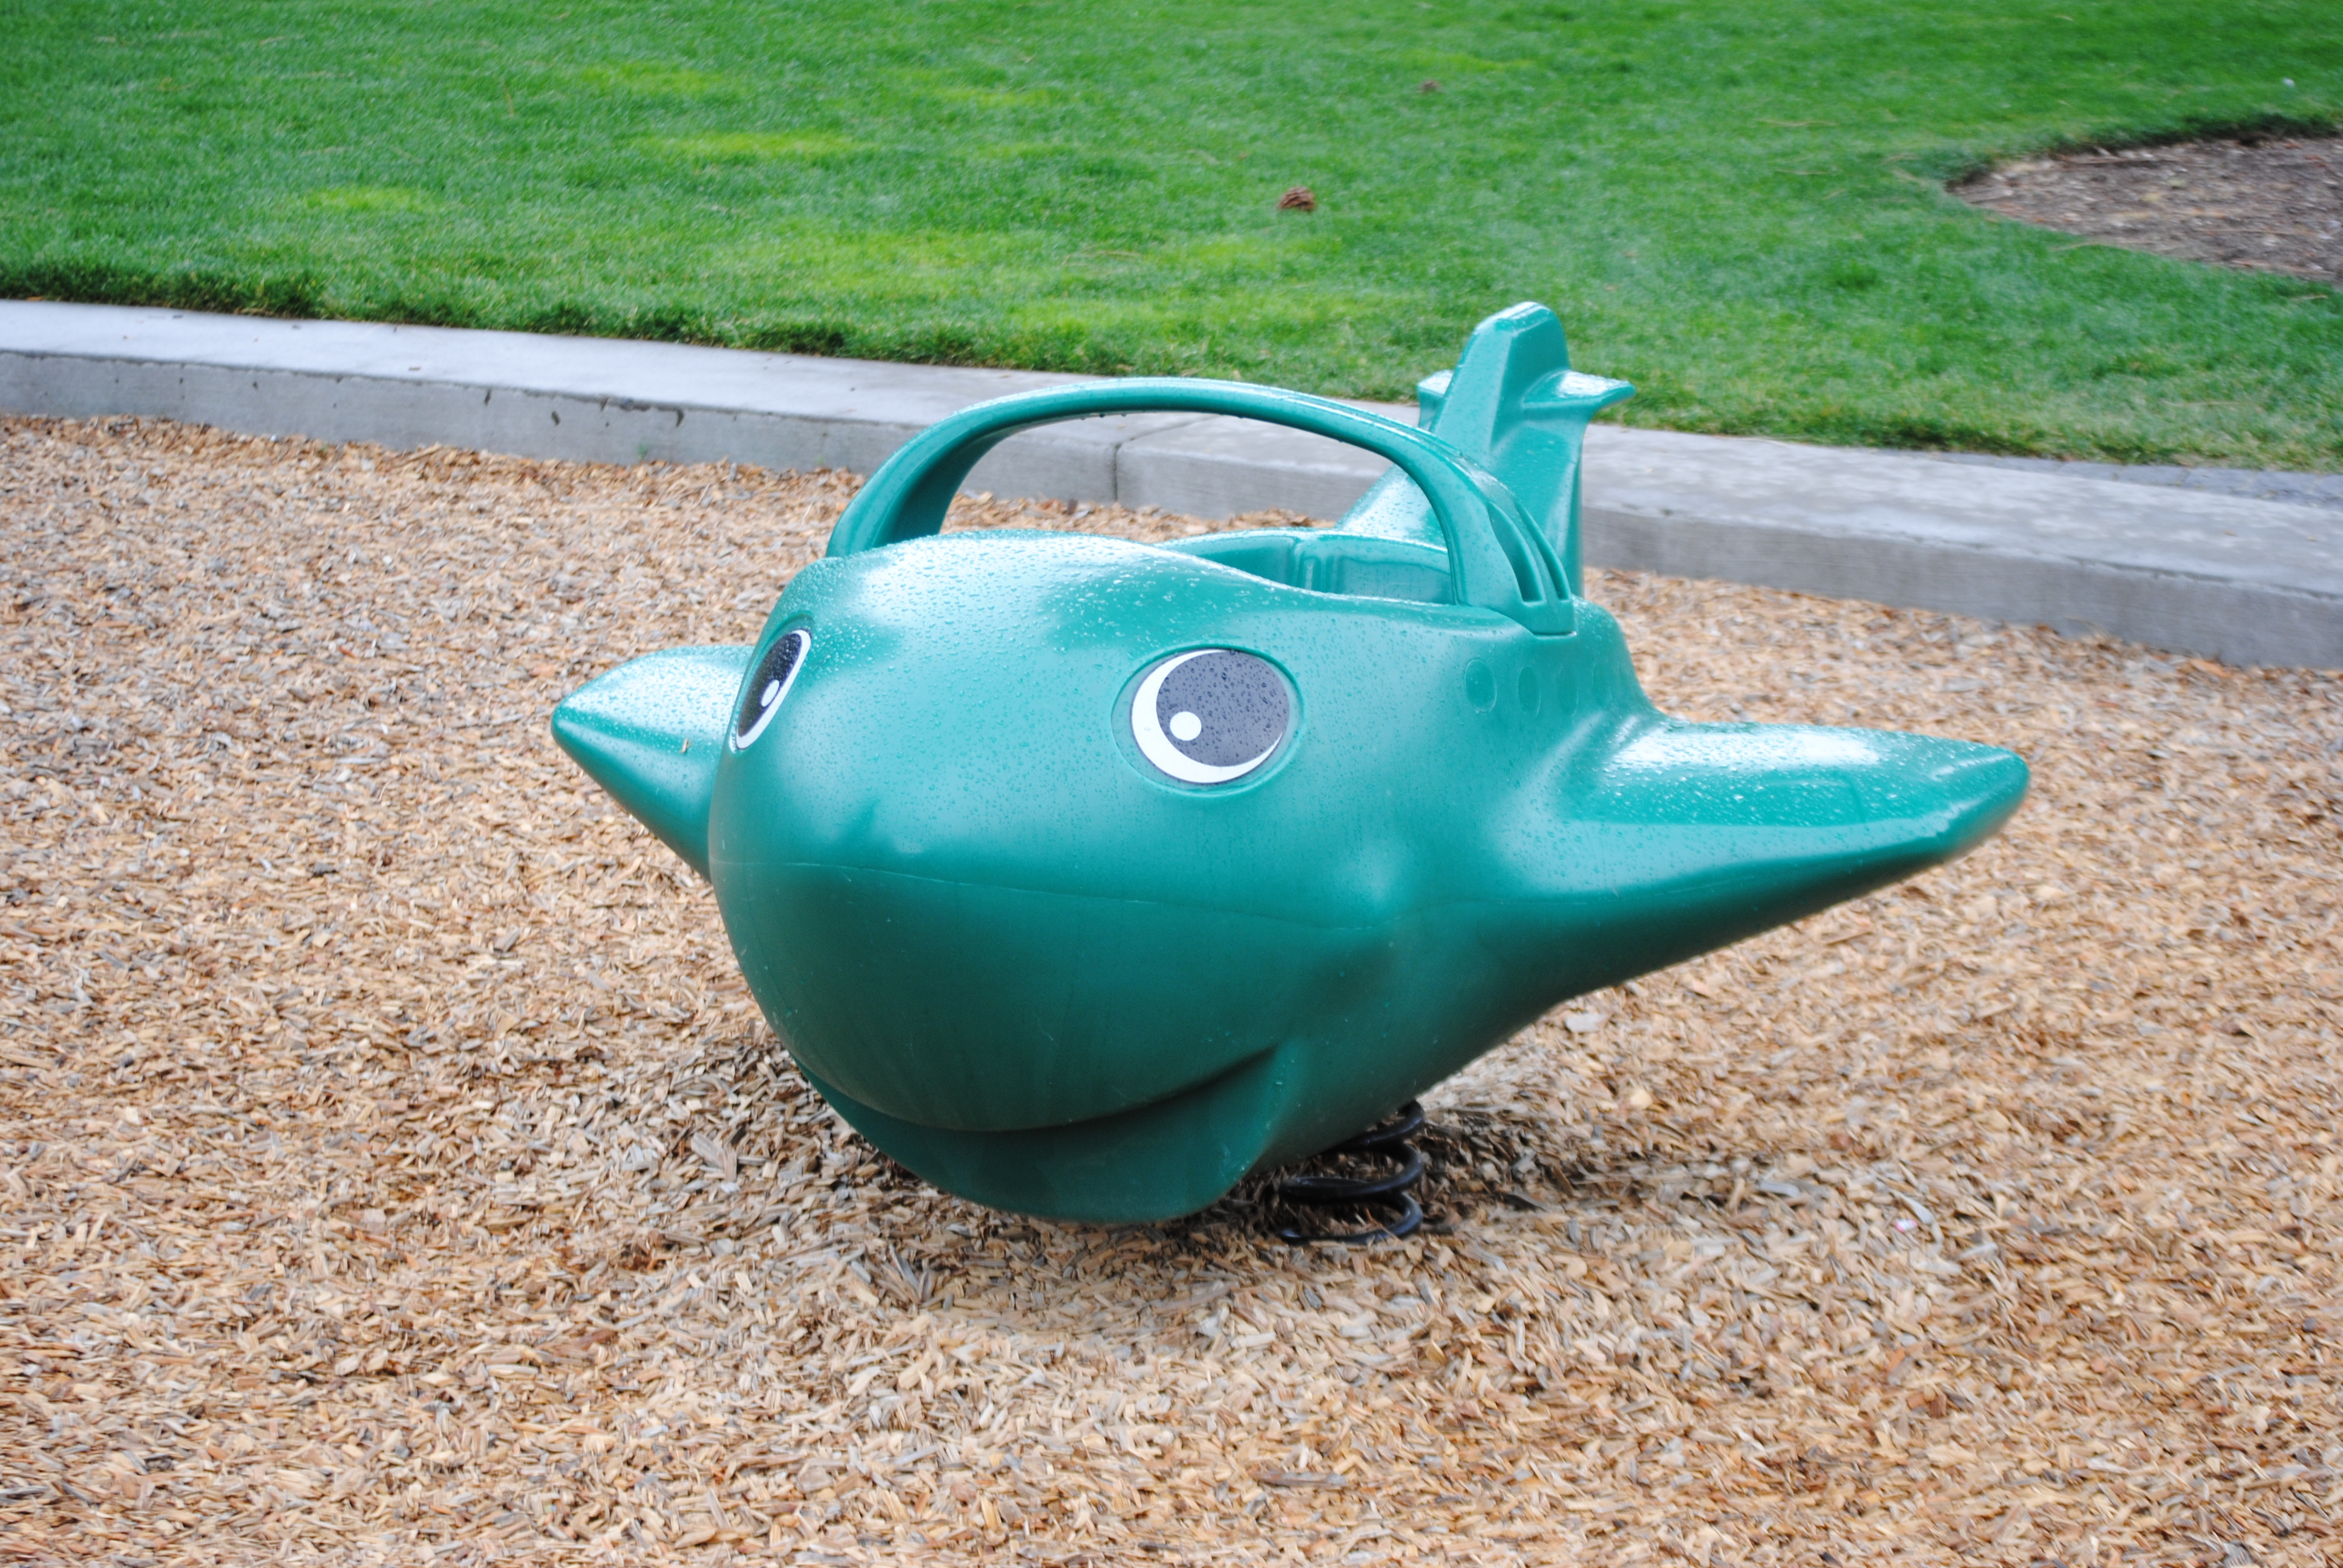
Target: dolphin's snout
(1699, 835)
(1863, 787)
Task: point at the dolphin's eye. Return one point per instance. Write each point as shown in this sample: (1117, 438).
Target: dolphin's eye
(762, 696)
(1210, 716)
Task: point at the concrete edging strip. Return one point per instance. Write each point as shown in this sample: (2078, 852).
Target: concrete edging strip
(2250, 581)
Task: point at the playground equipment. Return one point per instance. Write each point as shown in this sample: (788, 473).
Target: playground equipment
(1086, 877)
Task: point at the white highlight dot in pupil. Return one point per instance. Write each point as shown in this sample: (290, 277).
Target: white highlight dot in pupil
(772, 689)
(1186, 727)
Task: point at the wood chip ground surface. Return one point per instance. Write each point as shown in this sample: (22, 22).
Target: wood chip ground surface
(393, 1168)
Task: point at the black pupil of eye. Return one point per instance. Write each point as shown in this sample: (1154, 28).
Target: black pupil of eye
(1222, 708)
(772, 675)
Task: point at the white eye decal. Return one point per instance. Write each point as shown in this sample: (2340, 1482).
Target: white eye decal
(1210, 716)
(761, 698)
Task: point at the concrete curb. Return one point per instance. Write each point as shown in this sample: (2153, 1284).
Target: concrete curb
(2246, 581)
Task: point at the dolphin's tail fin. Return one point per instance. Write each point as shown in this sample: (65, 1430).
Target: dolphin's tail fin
(650, 732)
(1514, 406)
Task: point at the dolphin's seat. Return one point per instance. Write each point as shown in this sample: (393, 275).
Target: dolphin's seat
(1085, 876)
(1365, 566)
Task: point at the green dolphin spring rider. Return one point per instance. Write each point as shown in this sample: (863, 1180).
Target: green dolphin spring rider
(1085, 876)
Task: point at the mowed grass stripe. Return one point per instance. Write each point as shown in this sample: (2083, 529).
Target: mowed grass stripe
(1738, 207)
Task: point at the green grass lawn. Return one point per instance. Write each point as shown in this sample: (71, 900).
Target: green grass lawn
(1736, 204)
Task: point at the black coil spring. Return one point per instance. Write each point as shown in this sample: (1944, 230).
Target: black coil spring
(1387, 1195)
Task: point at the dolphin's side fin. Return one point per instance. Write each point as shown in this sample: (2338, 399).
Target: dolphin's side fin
(1513, 404)
(650, 732)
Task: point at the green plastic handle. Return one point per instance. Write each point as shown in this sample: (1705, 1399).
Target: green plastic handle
(1497, 560)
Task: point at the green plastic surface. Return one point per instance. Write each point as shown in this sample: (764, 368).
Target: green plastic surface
(1056, 959)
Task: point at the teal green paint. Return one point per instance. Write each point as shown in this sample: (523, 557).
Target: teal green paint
(650, 732)
(1498, 558)
(1045, 974)
(1735, 203)
(1513, 404)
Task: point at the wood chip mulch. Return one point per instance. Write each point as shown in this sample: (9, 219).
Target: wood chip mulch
(393, 1169)
(2273, 206)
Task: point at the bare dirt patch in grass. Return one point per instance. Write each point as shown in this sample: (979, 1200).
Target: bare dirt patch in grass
(394, 1166)
(2276, 205)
